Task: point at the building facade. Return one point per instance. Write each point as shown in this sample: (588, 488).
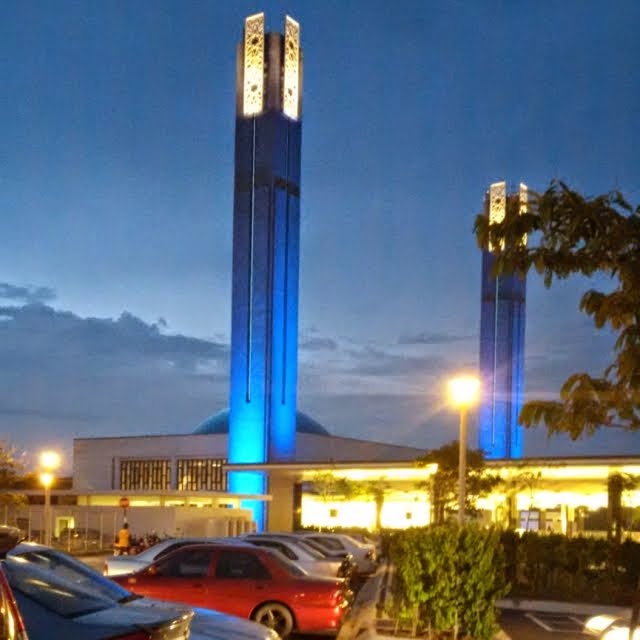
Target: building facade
(266, 240)
(502, 325)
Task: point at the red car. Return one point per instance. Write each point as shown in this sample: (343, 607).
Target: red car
(247, 581)
(11, 624)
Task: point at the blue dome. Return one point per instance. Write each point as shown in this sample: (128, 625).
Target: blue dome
(219, 423)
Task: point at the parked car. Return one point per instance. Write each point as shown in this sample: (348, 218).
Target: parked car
(53, 608)
(11, 623)
(206, 624)
(248, 581)
(610, 627)
(310, 559)
(332, 554)
(119, 565)
(364, 554)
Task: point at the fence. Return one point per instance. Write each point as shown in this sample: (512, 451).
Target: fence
(74, 529)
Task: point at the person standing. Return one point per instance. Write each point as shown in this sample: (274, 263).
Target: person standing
(123, 542)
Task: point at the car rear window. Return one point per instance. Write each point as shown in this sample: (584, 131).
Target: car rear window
(52, 591)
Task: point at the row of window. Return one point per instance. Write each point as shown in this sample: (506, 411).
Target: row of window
(204, 474)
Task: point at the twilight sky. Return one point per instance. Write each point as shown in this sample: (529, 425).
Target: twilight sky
(116, 121)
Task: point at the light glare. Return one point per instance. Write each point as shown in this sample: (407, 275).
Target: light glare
(49, 460)
(464, 391)
(46, 479)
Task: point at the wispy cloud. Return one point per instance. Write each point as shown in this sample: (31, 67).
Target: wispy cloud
(313, 343)
(27, 294)
(427, 338)
(371, 361)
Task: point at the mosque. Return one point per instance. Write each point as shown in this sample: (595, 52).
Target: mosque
(255, 464)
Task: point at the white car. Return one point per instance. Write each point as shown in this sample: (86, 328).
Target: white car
(206, 624)
(610, 627)
(364, 554)
(305, 557)
(119, 565)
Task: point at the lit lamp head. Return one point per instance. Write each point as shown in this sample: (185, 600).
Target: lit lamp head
(46, 479)
(49, 460)
(464, 391)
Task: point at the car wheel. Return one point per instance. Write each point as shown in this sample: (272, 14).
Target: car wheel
(275, 616)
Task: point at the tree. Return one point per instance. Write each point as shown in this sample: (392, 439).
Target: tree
(573, 234)
(378, 490)
(10, 474)
(331, 487)
(443, 485)
(518, 483)
(617, 485)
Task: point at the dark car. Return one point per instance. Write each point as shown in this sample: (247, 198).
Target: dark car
(54, 608)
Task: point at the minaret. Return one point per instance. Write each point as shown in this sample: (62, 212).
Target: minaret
(266, 246)
(502, 324)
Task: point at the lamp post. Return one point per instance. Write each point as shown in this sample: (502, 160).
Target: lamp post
(463, 393)
(49, 462)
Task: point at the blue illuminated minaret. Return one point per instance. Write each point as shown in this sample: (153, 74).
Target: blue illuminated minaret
(266, 239)
(502, 323)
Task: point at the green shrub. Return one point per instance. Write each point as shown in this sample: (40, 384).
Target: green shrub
(447, 579)
(580, 569)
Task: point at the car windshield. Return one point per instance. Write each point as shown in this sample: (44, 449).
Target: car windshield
(330, 543)
(311, 550)
(52, 591)
(66, 567)
(315, 546)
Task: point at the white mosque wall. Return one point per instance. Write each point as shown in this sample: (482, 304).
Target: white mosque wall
(96, 461)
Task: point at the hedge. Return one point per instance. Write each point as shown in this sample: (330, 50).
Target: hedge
(447, 579)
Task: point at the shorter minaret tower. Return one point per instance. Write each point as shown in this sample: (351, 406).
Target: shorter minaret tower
(502, 324)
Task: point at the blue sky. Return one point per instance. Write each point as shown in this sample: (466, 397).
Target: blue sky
(116, 190)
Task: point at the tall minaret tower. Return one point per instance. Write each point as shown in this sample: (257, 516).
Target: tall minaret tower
(266, 247)
(502, 323)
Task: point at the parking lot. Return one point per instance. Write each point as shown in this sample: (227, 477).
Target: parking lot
(532, 625)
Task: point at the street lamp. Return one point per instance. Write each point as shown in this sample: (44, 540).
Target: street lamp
(463, 393)
(49, 462)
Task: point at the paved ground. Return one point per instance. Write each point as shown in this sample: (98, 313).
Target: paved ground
(532, 625)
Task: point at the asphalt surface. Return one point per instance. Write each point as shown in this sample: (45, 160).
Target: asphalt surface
(533, 625)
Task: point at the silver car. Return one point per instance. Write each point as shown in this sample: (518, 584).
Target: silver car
(120, 565)
(308, 558)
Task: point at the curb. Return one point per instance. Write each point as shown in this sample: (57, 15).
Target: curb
(553, 606)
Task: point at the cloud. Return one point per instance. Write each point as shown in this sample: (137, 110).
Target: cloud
(36, 331)
(27, 294)
(317, 344)
(433, 338)
(414, 419)
(64, 375)
(371, 361)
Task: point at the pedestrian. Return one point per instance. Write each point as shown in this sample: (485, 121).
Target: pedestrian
(123, 543)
